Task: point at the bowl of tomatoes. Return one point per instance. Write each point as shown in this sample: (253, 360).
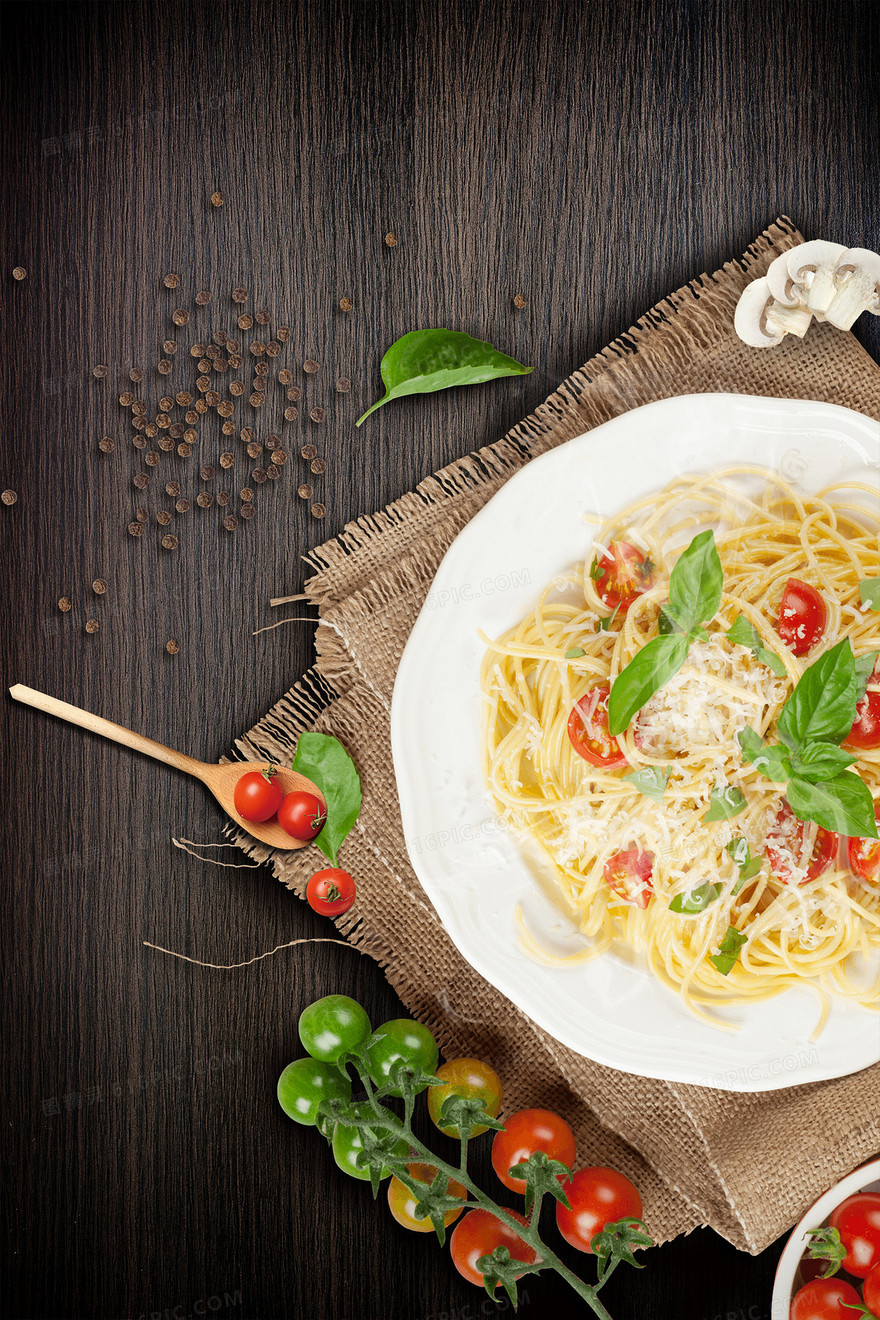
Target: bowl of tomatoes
(830, 1267)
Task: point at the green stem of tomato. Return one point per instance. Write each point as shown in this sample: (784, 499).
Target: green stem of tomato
(607, 1273)
(536, 1210)
(528, 1233)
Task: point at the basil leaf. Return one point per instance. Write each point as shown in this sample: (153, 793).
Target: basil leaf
(665, 624)
(326, 762)
(823, 705)
(864, 669)
(695, 583)
(697, 900)
(651, 781)
(769, 759)
(842, 804)
(425, 361)
(818, 761)
(869, 590)
(648, 670)
(745, 633)
(749, 866)
(575, 653)
(724, 803)
(605, 624)
(728, 950)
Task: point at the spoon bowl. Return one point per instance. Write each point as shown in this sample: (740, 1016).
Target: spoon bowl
(220, 779)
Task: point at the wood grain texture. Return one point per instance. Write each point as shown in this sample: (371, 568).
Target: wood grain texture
(588, 156)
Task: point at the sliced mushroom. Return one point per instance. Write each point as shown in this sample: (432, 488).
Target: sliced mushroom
(811, 267)
(750, 318)
(857, 287)
(782, 286)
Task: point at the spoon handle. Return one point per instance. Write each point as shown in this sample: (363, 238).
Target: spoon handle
(116, 732)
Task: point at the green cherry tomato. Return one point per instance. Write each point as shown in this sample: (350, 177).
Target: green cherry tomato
(400, 1040)
(304, 1084)
(333, 1026)
(347, 1145)
(471, 1079)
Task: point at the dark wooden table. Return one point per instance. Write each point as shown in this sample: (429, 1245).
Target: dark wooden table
(587, 156)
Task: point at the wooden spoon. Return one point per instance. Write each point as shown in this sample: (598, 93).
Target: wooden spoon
(220, 779)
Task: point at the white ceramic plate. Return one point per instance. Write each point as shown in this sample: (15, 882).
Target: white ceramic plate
(473, 872)
(787, 1281)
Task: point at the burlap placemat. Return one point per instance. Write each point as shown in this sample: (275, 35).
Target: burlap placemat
(748, 1165)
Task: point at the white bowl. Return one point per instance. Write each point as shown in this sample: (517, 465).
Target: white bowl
(864, 1179)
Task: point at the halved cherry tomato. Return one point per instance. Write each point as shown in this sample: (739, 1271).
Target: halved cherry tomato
(331, 891)
(525, 1133)
(478, 1234)
(597, 1197)
(629, 874)
(302, 815)
(863, 855)
(622, 573)
(802, 616)
(786, 840)
(257, 796)
(588, 730)
(864, 735)
(825, 1299)
(857, 1220)
(402, 1203)
(871, 1290)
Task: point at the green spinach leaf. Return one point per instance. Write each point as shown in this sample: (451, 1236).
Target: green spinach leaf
(648, 670)
(745, 633)
(823, 705)
(325, 761)
(425, 361)
(842, 804)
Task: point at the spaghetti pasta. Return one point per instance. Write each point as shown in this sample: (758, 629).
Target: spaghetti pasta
(645, 799)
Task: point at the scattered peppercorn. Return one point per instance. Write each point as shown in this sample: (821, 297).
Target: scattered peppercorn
(203, 297)
(317, 414)
(169, 542)
(390, 241)
(64, 603)
(18, 272)
(99, 586)
(304, 491)
(216, 199)
(318, 510)
(171, 281)
(345, 304)
(343, 385)
(171, 646)
(92, 625)
(106, 445)
(99, 371)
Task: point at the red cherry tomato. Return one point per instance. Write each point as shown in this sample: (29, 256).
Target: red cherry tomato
(257, 796)
(629, 874)
(802, 616)
(598, 1197)
(863, 855)
(622, 573)
(526, 1132)
(864, 735)
(330, 892)
(857, 1220)
(302, 815)
(786, 849)
(478, 1234)
(588, 730)
(825, 1299)
(871, 1290)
